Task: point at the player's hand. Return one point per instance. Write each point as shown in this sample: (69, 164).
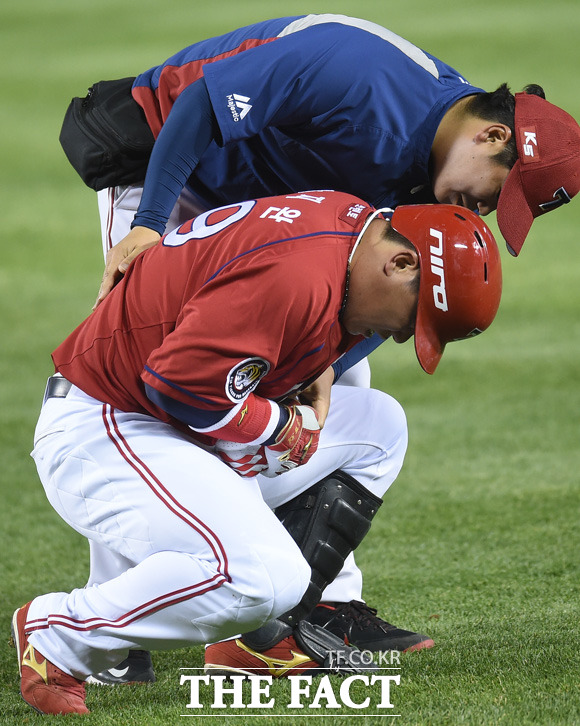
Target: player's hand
(246, 460)
(317, 395)
(121, 255)
(296, 442)
(294, 446)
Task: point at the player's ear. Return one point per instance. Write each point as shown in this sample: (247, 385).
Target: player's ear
(495, 133)
(402, 260)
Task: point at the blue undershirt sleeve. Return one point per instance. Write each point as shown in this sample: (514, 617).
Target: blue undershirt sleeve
(189, 129)
(199, 419)
(357, 353)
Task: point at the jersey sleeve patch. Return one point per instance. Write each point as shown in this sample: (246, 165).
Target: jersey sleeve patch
(352, 213)
(244, 378)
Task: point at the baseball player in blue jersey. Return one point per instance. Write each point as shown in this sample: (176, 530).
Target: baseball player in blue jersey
(321, 101)
(314, 102)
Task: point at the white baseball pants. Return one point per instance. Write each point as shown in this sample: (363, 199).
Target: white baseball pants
(196, 553)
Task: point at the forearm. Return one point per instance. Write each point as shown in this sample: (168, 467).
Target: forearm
(189, 129)
(256, 420)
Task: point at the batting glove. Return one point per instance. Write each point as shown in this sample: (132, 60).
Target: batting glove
(246, 460)
(295, 443)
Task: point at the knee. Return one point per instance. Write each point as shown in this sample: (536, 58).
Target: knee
(278, 581)
(263, 583)
(384, 438)
(286, 577)
(288, 582)
(358, 375)
(387, 420)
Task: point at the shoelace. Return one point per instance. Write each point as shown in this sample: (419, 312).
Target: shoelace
(363, 615)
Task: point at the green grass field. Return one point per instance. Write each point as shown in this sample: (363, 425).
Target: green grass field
(477, 542)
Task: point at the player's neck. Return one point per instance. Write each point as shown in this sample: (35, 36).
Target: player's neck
(455, 121)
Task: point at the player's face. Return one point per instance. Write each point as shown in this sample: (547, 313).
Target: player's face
(391, 315)
(470, 177)
(383, 291)
(403, 328)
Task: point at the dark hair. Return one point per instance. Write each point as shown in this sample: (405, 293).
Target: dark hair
(391, 235)
(499, 106)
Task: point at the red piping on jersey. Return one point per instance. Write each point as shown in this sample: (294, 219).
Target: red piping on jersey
(157, 103)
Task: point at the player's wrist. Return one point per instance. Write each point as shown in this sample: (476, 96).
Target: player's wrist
(146, 224)
(283, 420)
(296, 442)
(145, 233)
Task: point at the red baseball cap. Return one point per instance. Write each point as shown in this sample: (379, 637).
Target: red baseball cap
(547, 172)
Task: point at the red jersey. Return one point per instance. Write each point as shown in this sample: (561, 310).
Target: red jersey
(224, 317)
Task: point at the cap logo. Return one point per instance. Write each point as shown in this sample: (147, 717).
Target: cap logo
(529, 143)
(561, 196)
(439, 291)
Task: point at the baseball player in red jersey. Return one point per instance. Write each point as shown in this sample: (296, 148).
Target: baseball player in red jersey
(175, 424)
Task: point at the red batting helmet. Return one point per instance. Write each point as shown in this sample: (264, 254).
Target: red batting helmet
(461, 280)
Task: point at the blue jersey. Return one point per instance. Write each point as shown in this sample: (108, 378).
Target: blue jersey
(311, 102)
(292, 104)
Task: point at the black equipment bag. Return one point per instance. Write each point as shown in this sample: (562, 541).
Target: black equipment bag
(105, 136)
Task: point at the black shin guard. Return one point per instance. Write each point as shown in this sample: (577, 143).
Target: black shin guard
(328, 522)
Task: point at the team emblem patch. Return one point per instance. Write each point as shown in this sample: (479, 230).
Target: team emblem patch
(351, 214)
(244, 377)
